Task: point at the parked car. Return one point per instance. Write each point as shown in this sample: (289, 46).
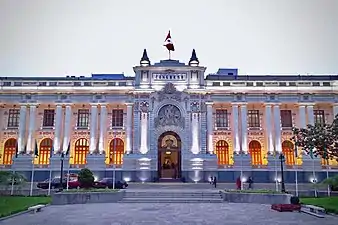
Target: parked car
(108, 183)
(55, 183)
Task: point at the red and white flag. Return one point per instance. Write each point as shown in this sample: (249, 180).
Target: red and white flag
(168, 43)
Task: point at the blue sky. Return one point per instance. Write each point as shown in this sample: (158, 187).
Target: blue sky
(80, 37)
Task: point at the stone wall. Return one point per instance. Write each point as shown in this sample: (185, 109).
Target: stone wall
(261, 198)
(66, 198)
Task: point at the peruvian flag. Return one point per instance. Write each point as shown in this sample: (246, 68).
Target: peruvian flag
(168, 43)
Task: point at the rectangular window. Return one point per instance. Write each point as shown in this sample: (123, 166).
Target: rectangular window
(117, 118)
(286, 118)
(48, 118)
(222, 118)
(319, 117)
(83, 118)
(13, 118)
(253, 118)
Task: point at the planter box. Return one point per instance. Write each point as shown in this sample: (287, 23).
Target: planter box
(286, 207)
(66, 198)
(261, 198)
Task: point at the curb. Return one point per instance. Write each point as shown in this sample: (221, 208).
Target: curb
(17, 214)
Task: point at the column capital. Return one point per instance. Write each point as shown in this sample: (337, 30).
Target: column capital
(303, 104)
(103, 105)
(94, 104)
(129, 104)
(268, 104)
(209, 103)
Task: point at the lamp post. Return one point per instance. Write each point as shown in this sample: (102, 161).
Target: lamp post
(113, 160)
(282, 160)
(61, 171)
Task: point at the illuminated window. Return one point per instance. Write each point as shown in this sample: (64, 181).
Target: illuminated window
(116, 151)
(9, 151)
(253, 118)
(81, 151)
(222, 152)
(255, 150)
(288, 150)
(13, 118)
(319, 117)
(222, 118)
(45, 149)
(117, 118)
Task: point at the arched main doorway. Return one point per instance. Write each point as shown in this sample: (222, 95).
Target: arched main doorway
(45, 151)
(81, 151)
(169, 155)
(116, 152)
(255, 150)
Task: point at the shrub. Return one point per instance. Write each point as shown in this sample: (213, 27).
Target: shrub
(333, 182)
(294, 200)
(86, 178)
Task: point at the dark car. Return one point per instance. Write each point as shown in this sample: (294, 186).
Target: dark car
(108, 183)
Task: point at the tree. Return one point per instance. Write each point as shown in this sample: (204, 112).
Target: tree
(86, 178)
(6, 178)
(318, 140)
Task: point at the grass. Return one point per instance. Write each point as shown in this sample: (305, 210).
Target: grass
(330, 204)
(258, 191)
(92, 190)
(13, 204)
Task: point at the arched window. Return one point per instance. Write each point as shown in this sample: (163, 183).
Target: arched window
(116, 151)
(288, 150)
(9, 151)
(45, 149)
(222, 152)
(81, 151)
(255, 150)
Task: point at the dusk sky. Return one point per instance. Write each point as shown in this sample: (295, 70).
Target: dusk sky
(80, 37)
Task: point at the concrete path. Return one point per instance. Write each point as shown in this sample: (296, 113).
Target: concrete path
(158, 214)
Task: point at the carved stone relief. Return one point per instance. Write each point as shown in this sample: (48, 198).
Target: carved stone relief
(194, 106)
(169, 92)
(169, 115)
(144, 107)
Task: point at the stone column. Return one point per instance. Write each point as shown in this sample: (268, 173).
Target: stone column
(144, 132)
(335, 110)
(129, 128)
(235, 127)
(278, 128)
(244, 118)
(67, 127)
(310, 116)
(268, 127)
(58, 127)
(302, 116)
(31, 129)
(22, 129)
(93, 129)
(210, 127)
(195, 148)
(103, 127)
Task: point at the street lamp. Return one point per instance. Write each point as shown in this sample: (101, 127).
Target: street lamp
(61, 170)
(282, 160)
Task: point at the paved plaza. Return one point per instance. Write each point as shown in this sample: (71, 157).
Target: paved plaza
(161, 214)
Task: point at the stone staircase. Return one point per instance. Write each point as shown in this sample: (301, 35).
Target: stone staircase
(174, 196)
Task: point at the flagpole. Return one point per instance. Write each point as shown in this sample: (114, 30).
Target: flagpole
(314, 173)
(50, 179)
(12, 185)
(327, 177)
(276, 171)
(169, 54)
(32, 177)
(296, 168)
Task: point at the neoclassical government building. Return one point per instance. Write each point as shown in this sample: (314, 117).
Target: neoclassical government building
(168, 121)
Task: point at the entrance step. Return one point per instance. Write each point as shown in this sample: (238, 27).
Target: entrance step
(171, 200)
(170, 180)
(176, 196)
